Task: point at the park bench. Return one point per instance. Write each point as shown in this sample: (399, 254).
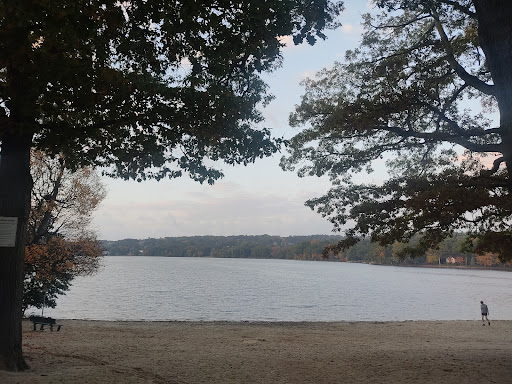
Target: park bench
(42, 321)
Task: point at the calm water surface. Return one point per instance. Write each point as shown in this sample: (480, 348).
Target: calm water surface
(206, 289)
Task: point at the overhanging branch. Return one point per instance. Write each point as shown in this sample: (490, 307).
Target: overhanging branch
(459, 7)
(473, 81)
(441, 137)
(495, 167)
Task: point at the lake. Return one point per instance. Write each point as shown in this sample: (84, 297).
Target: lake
(209, 289)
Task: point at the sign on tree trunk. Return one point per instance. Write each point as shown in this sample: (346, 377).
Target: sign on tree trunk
(8, 227)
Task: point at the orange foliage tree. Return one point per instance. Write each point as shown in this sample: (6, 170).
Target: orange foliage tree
(50, 267)
(488, 259)
(60, 244)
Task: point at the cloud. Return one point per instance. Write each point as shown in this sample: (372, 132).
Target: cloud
(486, 159)
(287, 41)
(347, 28)
(352, 32)
(290, 46)
(229, 210)
(308, 75)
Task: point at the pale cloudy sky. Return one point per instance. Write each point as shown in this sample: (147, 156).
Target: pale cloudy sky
(253, 200)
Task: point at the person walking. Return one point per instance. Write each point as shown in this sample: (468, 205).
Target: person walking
(485, 312)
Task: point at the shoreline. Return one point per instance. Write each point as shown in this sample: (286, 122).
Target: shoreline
(447, 266)
(87, 351)
(267, 322)
(444, 266)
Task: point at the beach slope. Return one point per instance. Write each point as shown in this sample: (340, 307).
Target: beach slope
(218, 352)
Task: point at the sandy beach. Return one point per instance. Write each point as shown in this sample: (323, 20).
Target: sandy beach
(219, 352)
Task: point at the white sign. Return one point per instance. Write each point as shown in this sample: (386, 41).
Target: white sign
(8, 227)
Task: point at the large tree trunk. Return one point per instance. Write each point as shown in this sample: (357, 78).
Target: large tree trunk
(15, 188)
(495, 33)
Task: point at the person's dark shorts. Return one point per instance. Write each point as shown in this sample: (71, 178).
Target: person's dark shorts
(484, 313)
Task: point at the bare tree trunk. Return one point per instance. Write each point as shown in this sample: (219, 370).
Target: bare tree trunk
(15, 188)
(495, 33)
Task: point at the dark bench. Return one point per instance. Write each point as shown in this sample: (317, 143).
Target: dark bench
(42, 321)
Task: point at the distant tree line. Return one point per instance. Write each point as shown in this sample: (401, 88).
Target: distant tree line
(314, 247)
(261, 247)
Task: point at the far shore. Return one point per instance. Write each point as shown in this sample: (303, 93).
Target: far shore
(245, 352)
(448, 266)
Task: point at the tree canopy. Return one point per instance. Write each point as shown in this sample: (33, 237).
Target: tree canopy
(153, 88)
(145, 89)
(418, 94)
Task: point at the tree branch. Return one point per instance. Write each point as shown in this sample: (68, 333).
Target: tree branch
(401, 25)
(456, 5)
(419, 44)
(464, 133)
(495, 166)
(473, 81)
(42, 228)
(440, 137)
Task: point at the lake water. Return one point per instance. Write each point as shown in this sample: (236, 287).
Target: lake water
(207, 289)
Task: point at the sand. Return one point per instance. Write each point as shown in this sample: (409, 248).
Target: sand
(218, 352)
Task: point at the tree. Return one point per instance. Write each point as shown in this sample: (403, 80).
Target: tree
(408, 96)
(143, 88)
(487, 259)
(62, 200)
(60, 244)
(50, 268)
(433, 257)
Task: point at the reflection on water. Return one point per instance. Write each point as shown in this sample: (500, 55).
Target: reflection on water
(159, 288)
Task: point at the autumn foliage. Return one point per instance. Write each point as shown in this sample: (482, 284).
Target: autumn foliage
(60, 243)
(53, 265)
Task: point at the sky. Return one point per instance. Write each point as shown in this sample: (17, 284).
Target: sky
(256, 199)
